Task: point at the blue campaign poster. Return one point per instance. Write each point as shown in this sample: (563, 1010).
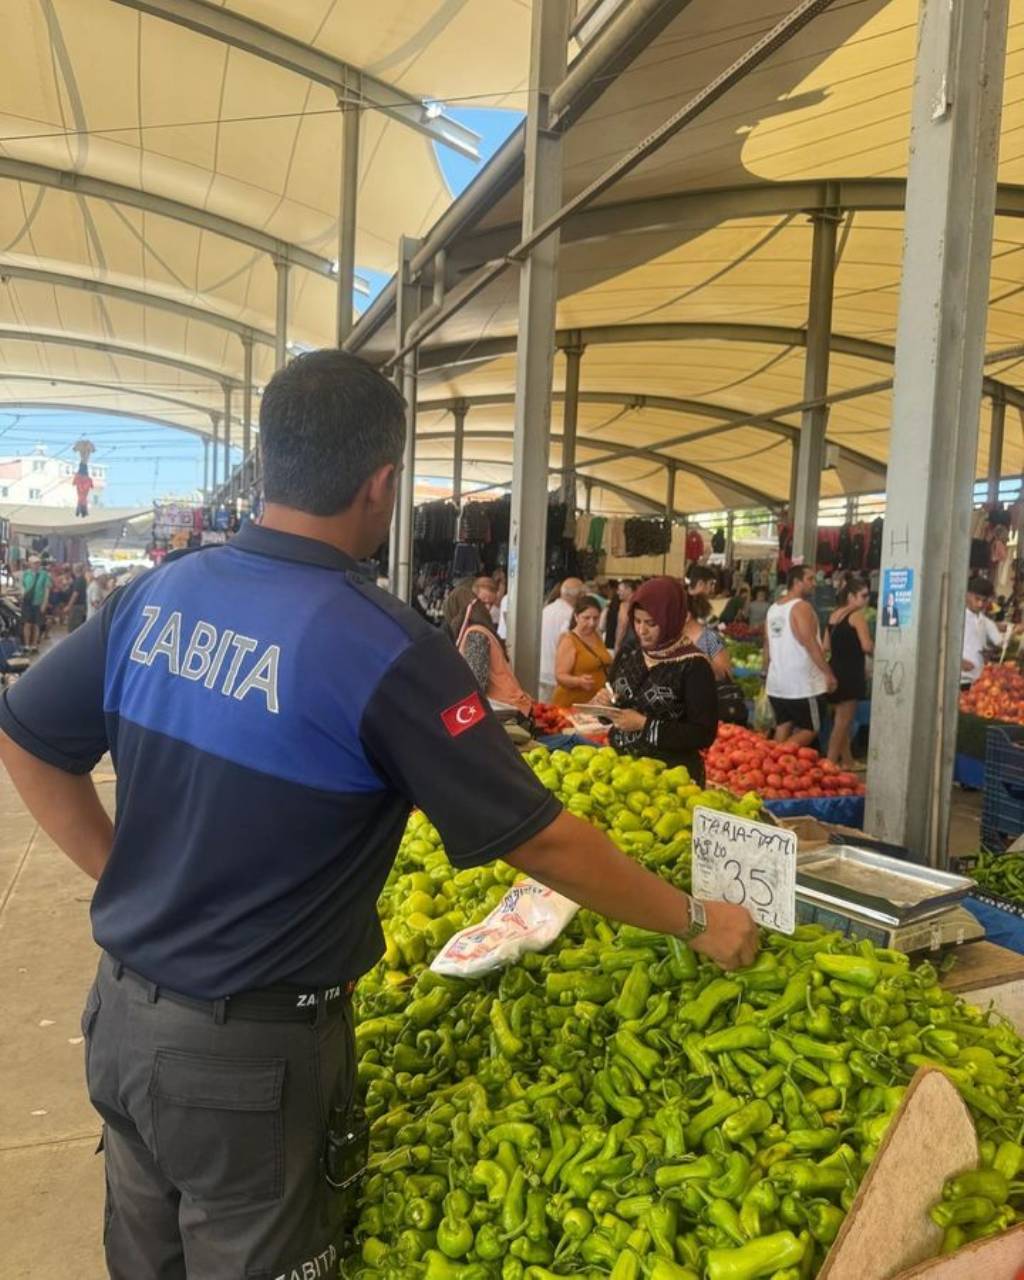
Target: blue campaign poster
(896, 599)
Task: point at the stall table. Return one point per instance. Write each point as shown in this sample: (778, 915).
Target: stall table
(988, 973)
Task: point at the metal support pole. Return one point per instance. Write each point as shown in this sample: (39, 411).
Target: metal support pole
(214, 480)
(459, 411)
(670, 503)
(588, 491)
(408, 308)
(227, 437)
(247, 399)
(995, 448)
(347, 210)
(730, 526)
(570, 416)
(206, 469)
(535, 353)
(813, 423)
(282, 267)
(951, 189)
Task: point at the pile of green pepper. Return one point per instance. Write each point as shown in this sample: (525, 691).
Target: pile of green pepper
(615, 1107)
(1001, 873)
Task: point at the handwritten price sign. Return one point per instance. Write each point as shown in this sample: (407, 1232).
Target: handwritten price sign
(747, 863)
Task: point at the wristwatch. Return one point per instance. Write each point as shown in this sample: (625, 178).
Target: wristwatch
(698, 921)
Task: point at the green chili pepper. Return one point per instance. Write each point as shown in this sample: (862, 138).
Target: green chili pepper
(722, 1107)
(806, 1178)
(959, 1213)
(732, 1182)
(721, 1214)
(793, 997)
(699, 1012)
(623, 1103)
(1008, 1159)
(756, 1258)
(824, 1221)
(747, 1036)
(673, 1175)
(860, 971)
(808, 1047)
(769, 1081)
(750, 1119)
(989, 1183)
(615, 959)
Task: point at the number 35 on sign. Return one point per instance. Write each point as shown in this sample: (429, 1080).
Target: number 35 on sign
(747, 863)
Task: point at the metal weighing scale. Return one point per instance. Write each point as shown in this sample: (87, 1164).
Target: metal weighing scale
(864, 893)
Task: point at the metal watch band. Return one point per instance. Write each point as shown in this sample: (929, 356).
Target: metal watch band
(698, 921)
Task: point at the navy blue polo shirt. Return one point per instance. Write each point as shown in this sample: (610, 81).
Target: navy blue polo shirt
(272, 717)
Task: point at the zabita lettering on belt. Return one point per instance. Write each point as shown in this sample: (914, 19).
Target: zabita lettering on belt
(313, 1268)
(224, 661)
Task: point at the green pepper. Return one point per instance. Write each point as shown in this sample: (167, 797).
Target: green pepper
(493, 1178)
(785, 1054)
(441, 1268)
(732, 1182)
(699, 1012)
(806, 1178)
(746, 1036)
(662, 1223)
(683, 960)
(627, 1266)
(634, 994)
(721, 1108)
(454, 1236)
(674, 1175)
(749, 1120)
(942, 1043)
(646, 1060)
(989, 1183)
(959, 1213)
(808, 1140)
(953, 1238)
(1008, 1159)
(721, 1214)
(625, 1104)
(665, 1269)
(768, 1081)
(860, 971)
(793, 997)
(615, 959)
(508, 1042)
(756, 1258)
(808, 1047)
(824, 1221)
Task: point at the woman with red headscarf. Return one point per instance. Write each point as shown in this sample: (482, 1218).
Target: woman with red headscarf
(666, 687)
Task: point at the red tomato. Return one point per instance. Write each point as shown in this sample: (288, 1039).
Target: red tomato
(774, 780)
(807, 753)
(848, 780)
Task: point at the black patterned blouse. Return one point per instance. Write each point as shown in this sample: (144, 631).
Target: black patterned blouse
(679, 699)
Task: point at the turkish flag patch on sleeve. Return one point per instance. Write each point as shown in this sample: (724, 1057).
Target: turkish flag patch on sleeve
(464, 715)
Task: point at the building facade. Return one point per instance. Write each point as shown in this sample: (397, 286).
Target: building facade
(41, 480)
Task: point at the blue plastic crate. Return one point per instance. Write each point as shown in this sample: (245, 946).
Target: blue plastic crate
(1002, 814)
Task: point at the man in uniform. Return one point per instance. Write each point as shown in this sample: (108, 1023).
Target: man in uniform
(272, 717)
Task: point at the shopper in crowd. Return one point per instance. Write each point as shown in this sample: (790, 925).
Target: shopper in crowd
(759, 606)
(617, 630)
(848, 642)
(96, 593)
(701, 583)
(486, 591)
(556, 618)
(259, 811)
(501, 586)
(36, 585)
(77, 604)
(980, 632)
(665, 687)
(468, 620)
(705, 638)
(582, 662)
(737, 607)
(797, 674)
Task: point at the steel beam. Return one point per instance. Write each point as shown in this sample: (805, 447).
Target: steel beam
(115, 349)
(227, 437)
(82, 184)
(62, 407)
(570, 416)
(459, 411)
(247, 390)
(997, 431)
(138, 297)
(535, 353)
(348, 208)
(215, 420)
(123, 389)
(314, 64)
(206, 470)
(739, 487)
(280, 316)
(814, 421)
(951, 186)
(409, 302)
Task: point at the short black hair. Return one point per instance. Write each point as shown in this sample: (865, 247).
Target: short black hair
(328, 421)
(796, 574)
(980, 587)
(699, 573)
(584, 603)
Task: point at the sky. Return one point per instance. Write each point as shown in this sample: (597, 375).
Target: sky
(146, 462)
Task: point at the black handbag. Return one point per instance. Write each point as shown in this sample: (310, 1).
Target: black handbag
(732, 705)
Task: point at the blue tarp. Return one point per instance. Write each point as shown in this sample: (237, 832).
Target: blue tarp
(843, 811)
(566, 741)
(1001, 927)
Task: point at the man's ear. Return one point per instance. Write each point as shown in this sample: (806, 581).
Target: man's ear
(382, 485)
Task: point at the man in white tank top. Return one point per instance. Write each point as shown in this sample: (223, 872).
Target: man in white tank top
(797, 676)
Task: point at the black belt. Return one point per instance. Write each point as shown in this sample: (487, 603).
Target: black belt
(281, 1002)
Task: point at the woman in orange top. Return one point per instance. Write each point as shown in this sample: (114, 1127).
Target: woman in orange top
(582, 661)
(470, 626)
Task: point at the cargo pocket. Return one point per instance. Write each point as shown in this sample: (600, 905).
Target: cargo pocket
(89, 1015)
(217, 1124)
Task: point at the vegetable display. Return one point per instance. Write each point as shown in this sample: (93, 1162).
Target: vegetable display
(749, 656)
(979, 1203)
(745, 761)
(549, 719)
(1001, 873)
(616, 1107)
(997, 694)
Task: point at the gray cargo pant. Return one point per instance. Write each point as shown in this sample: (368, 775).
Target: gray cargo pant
(214, 1135)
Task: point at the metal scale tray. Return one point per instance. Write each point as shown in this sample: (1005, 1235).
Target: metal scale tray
(877, 887)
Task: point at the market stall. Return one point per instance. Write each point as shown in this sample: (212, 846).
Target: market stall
(550, 1093)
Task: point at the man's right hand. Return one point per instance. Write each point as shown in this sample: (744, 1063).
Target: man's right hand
(731, 936)
(831, 683)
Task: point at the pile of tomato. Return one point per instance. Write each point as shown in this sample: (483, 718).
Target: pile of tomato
(549, 719)
(743, 631)
(743, 761)
(997, 694)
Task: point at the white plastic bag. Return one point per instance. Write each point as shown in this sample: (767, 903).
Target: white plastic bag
(764, 716)
(528, 918)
